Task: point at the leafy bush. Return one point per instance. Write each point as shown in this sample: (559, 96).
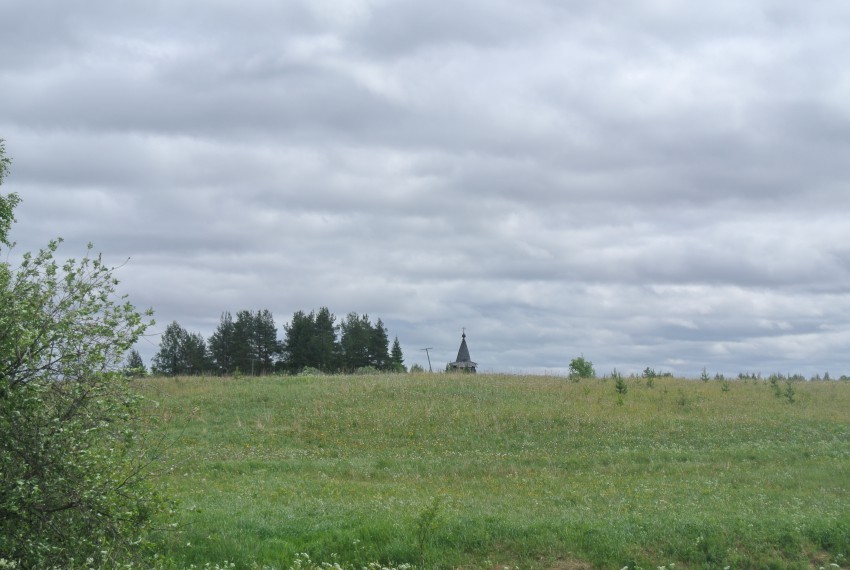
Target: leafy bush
(72, 470)
(581, 368)
(72, 477)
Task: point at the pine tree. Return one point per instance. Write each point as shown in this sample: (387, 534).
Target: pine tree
(244, 349)
(265, 341)
(297, 342)
(221, 345)
(255, 344)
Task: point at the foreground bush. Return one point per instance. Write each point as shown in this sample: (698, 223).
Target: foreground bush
(72, 463)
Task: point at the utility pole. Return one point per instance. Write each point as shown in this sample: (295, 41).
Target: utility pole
(429, 356)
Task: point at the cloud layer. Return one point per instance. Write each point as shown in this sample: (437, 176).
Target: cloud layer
(647, 184)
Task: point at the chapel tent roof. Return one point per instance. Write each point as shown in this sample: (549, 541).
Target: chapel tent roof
(463, 361)
(463, 352)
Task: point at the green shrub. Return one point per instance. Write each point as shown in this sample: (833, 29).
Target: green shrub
(72, 459)
(581, 368)
(73, 479)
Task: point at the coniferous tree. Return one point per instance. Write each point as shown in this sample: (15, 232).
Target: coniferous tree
(180, 352)
(297, 342)
(244, 350)
(355, 341)
(397, 358)
(324, 346)
(255, 344)
(135, 366)
(267, 347)
(170, 359)
(221, 345)
(310, 340)
(379, 345)
(197, 359)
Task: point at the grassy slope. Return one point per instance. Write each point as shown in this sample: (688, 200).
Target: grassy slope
(536, 472)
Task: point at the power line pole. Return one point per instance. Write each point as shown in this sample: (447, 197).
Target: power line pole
(429, 356)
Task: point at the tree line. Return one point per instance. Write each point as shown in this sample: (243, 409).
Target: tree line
(248, 344)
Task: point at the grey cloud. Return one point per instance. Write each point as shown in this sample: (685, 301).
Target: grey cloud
(396, 29)
(647, 184)
(305, 101)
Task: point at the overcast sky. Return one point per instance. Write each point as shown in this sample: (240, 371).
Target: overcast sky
(646, 183)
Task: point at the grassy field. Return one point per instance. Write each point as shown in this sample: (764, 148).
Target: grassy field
(493, 471)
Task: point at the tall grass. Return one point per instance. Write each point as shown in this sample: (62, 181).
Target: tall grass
(488, 471)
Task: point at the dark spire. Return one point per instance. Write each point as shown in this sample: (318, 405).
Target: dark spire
(463, 362)
(463, 352)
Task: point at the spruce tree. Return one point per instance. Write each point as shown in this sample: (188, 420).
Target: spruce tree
(379, 345)
(397, 358)
(135, 366)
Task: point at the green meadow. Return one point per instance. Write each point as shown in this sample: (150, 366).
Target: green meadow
(495, 471)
